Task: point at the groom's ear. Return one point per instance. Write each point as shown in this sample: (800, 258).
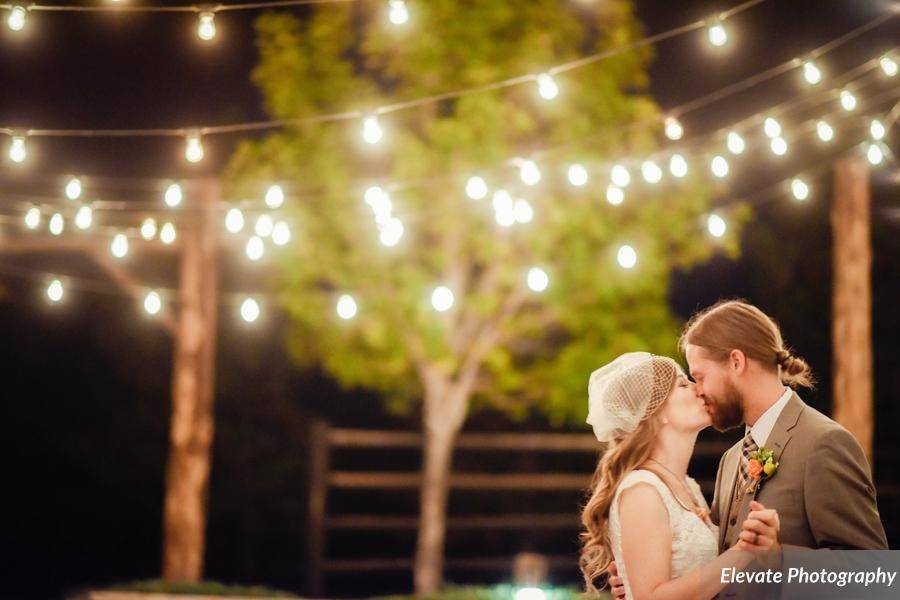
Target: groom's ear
(737, 361)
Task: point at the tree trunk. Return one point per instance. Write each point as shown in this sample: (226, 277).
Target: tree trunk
(852, 328)
(191, 427)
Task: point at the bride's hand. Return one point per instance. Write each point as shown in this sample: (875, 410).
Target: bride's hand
(617, 586)
(759, 532)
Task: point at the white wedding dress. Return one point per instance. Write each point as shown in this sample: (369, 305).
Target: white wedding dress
(694, 542)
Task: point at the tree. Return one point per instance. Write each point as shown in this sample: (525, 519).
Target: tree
(501, 344)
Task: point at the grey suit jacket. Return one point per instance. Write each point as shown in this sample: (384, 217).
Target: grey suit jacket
(823, 488)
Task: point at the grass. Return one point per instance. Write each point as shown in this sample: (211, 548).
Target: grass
(209, 588)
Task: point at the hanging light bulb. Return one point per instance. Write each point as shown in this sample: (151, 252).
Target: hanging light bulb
(167, 233)
(772, 127)
(888, 65)
(148, 229)
(264, 225)
(274, 196)
(55, 290)
(578, 175)
(73, 189)
(57, 224)
(193, 147)
(626, 257)
(372, 132)
(779, 146)
(255, 248)
(735, 143)
(620, 176)
(476, 188)
(719, 167)
(206, 26)
(250, 310)
(651, 172)
(716, 33)
(537, 279)
(523, 211)
(502, 201)
(346, 307)
(824, 131)
(442, 298)
(799, 189)
(17, 150)
(875, 154)
(16, 19)
(398, 13)
(152, 303)
(173, 195)
(614, 195)
(547, 87)
(529, 172)
(281, 233)
(716, 225)
(33, 217)
(678, 166)
(392, 232)
(234, 220)
(848, 100)
(84, 217)
(119, 246)
(877, 130)
(674, 130)
(811, 73)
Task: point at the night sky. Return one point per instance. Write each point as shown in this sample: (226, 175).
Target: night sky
(86, 385)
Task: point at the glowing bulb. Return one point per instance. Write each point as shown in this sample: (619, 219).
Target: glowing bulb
(193, 148)
(674, 130)
(264, 226)
(148, 229)
(173, 195)
(505, 218)
(255, 248)
(529, 172)
(33, 218)
(523, 211)
(152, 303)
(716, 225)
(614, 195)
(877, 130)
(772, 127)
(167, 233)
(274, 196)
(626, 257)
(824, 131)
(799, 189)
(57, 224)
(391, 232)
(84, 217)
(502, 201)
(719, 167)
(374, 196)
(735, 143)
(717, 34)
(234, 220)
(678, 166)
(530, 593)
(651, 172)
(848, 100)
(538, 280)
(16, 19)
(372, 132)
(206, 27)
(17, 150)
(811, 73)
(249, 310)
(119, 246)
(346, 307)
(578, 175)
(547, 88)
(55, 290)
(620, 176)
(476, 188)
(73, 189)
(281, 233)
(442, 298)
(398, 12)
(875, 154)
(888, 65)
(779, 146)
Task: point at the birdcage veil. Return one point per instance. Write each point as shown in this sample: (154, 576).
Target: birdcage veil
(627, 391)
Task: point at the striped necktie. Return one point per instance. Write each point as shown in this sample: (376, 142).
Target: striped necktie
(749, 446)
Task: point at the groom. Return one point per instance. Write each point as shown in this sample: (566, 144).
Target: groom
(822, 486)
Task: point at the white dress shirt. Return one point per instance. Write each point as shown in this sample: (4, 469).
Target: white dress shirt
(766, 421)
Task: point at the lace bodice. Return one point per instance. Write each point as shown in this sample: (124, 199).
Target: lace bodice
(694, 542)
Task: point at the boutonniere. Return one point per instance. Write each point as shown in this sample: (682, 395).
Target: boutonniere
(762, 465)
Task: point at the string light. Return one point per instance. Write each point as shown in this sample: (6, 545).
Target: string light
(372, 132)
(614, 195)
(626, 257)
(392, 232)
(476, 188)
(651, 172)
(811, 73)
(877, 130)
(505, 217)
(678, 166)
(537, 279)
(33, 218)
(148, 229)
(234, 220)
(264, 225)
(442, 299)
(673, 128)
(799, 189)
(167, 234)
(735, 143)
(772, 127)
(250, 310)
(193, 147)
(848, 100)
(719, 167)
(888, 65)
(206, 27)
(255, 248)
(281, 234)
(173, 195)
(875, 154)
(824, 131)
(55, 291)
(529, 172)
(17, 151)
(57, 224)
(716, 225)
(119, 246)
(523, 211)
(84, 217)
(346, 307)
(779, 146)
(502, 201)
(16, 19)
(620, 176)
(578, 175)
(274, 197)
(716, 33)
(398, 13)
(547, 87)
(152, 303)
(73, 189)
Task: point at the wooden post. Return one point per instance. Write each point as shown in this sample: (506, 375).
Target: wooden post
(192, 424)
(319, 458)
(852, 327)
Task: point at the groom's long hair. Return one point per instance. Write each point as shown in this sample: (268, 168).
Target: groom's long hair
(620, 458)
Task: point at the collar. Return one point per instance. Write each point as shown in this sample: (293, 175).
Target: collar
(764, 424)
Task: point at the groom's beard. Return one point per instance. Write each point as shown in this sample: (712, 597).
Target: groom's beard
(727, 411)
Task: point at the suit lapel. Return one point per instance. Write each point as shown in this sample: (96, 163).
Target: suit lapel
(732, 465)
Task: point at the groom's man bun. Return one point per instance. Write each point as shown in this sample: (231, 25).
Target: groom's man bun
(737, 325)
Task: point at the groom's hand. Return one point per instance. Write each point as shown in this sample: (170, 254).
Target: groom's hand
(617, 586)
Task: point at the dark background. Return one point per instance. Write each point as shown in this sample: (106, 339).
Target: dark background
(86, 385)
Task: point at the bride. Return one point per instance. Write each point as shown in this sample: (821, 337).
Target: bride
(645, 516)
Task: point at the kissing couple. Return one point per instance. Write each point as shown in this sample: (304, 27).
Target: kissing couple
(795, 479)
